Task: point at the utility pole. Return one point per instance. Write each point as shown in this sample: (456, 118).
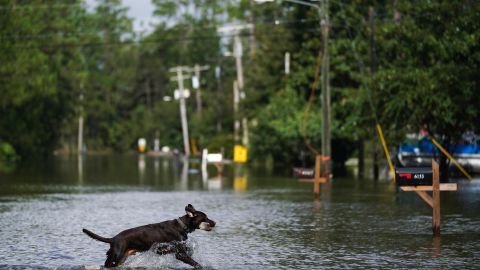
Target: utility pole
(236, 101)
(183, 110)
(218, 75)
(373, 70)
(237, 53)
(196, 84)
(326, 107)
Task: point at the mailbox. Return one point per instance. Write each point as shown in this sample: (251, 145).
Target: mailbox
(414, 176)
(304, 173)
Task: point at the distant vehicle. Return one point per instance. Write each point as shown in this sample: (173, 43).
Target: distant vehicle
(418, 151)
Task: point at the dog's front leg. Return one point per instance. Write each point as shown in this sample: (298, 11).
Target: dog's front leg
(184, 257)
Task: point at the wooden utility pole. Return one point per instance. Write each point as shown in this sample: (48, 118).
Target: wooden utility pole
(218, 75)
(373, 70)
(197, 69)
(245, 131)
(183, 110)
(326, 97)
(236, 101)
(237, 53)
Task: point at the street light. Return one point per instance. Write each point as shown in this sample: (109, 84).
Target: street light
(325, 78)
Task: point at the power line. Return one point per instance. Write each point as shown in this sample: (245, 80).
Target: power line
(180, 29)
(148, 41)
(27, 6)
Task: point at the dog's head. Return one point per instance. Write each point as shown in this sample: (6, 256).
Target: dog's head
(198, 219)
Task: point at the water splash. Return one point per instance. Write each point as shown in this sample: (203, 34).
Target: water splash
(150, 258)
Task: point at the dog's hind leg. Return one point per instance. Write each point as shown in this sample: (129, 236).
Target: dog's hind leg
(109, 261)
(117, 254)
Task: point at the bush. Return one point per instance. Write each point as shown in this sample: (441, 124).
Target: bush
(8, 157)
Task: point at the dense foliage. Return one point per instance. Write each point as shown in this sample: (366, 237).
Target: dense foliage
(408, 65)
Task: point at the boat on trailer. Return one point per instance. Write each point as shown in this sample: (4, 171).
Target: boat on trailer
(418, 151)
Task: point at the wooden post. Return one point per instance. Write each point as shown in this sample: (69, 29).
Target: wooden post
(436, 199)
(316, 179)
(317, 176)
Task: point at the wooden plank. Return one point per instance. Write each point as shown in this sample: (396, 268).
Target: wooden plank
(436, 199)
(443, 187)
(425, 197)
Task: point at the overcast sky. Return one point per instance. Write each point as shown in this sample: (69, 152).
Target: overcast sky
(140, 10)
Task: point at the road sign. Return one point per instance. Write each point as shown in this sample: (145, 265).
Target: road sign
(195, 82)
(240, 153)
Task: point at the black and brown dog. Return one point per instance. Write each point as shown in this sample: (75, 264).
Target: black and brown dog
(169, 234)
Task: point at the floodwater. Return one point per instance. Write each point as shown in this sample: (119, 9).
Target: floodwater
(264, 220)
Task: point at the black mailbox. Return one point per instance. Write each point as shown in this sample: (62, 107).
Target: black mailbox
(414, 176)
(304, 173)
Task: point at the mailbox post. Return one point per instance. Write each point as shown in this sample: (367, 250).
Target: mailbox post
(422, 180)
(305, 175)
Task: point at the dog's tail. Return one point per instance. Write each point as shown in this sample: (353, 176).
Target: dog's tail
(97, 237)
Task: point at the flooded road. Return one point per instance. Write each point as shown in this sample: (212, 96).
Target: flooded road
(264, 221)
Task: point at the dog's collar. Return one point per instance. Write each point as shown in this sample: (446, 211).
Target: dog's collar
(184, 227)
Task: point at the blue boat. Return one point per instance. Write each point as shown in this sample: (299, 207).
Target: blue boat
(418, 151)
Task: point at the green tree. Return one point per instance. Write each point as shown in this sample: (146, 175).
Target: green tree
(37, 77)
(428, 75)
(110, 93)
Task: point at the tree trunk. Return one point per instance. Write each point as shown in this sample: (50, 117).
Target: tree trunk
(361, 159)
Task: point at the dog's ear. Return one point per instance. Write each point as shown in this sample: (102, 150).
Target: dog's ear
(190, 210)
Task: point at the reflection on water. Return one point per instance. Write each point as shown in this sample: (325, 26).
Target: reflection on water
(80, 160)
(263, 221)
